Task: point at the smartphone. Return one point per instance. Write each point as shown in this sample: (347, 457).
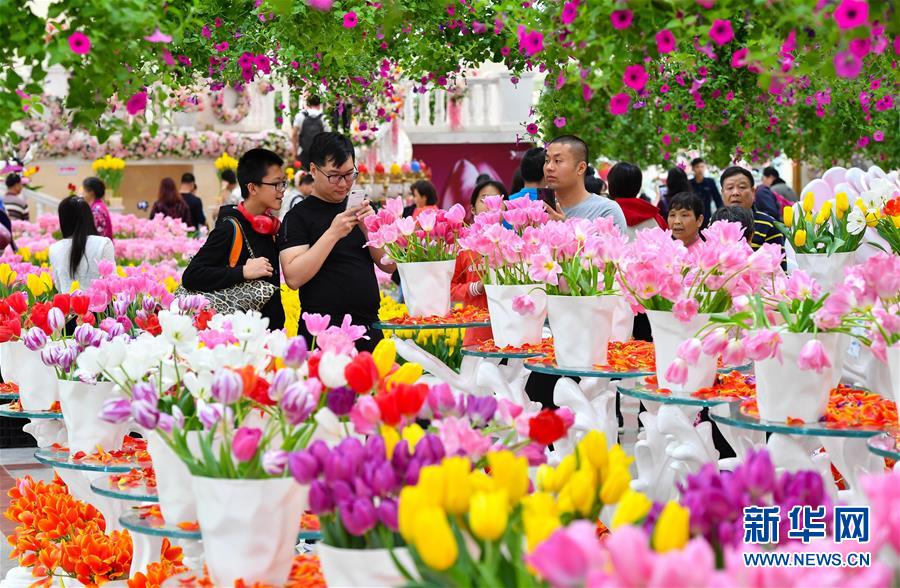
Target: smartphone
(547, 195)
(355, 198)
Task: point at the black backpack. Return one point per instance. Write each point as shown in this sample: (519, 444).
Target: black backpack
(311, 126)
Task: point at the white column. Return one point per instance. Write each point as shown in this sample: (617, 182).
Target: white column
(440, 108)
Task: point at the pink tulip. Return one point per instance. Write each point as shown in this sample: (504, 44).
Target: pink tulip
(524, 305)
(689, 350)
(567, 556)
(316, 323)
(245, 443)
(685, 309)
(763, 344)
(734, 353)
(715, 341)
(813, 357)
(677, 372)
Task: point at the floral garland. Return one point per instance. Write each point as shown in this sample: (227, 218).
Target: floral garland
(238, 113)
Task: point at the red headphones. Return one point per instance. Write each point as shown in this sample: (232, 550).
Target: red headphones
(265, 224)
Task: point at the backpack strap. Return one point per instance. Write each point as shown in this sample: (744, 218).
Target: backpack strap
(237, 243)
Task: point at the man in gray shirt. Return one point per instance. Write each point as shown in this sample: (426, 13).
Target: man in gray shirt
(564, 168)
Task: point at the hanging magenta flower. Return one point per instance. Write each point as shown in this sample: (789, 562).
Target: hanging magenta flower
(531, 129)
(721, 32)
(560, 122)
(707, 4)
(851, 14)
(79, 43)
(665, 41)
(206, 32)
(739, 58)
(531, 42)
(878, 136)
(861, 47)
(350, 20)
(863, 142)
(635, 77)
(158, 37)
(137, 103)
(621, 19)
(618, 104)
(847, 65)
(569, 12)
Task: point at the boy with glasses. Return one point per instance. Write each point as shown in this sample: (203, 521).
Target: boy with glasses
(323, 243)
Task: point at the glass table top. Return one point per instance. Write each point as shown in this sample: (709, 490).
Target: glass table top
(9, 396)
(885, 445)
(736, 418)
(62, 459)
(105, 486)
(149, 524)
(29, 414)
(644, 391)
(555, 370)
(388, 326)
(474, 351)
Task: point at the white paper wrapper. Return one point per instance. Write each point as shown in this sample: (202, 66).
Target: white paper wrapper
(668, 334)
(373, 568)
(426, 287)
(582, 327)
(37, 382)
(81, 404)
(827, 270)
(173, 479)
(510, 327)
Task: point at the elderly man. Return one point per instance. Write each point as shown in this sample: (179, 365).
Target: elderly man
(737, 190)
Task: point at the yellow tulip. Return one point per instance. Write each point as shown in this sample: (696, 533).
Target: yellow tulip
(489, 514)
(412, 501)
(538, 503)
(632, 507)
(407, 373)
(433, 481)
(538, 528)
(458, 489)
(391, 438)
(412, 434)
(672, 528)
(75, 287)
(121, 271)
(896, 221)
(824, 213)
(809, 200)
(841, 202)
(788, 215)
(7, 276)
(434, 539)
(479, 481)
(593, 446)
(615, 484)
(800, 238)
(170, 283)
(35, 285)
(47, 280)
(24, 253)
(582, 491)
(509, 472)
(618, 458)
(861, 205)
(871, 219)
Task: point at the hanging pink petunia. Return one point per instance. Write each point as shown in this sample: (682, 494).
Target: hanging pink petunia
(707, 4)
(569, 12)
(79, 43)
(847, 65)
(851, 14)
(350, 20)
(137, 103)
(878, 136)
(861, 47)
(158, 37)
(618, 104)
(531, 129)
(621, 19)
(206, 32)
(739, 58)
(665, 41)
(531, 42)
(323, 5)
(635, 77)
(559, 121)
(721, 32)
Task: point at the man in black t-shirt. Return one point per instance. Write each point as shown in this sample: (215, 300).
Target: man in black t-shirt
(323, 245)
(195, 204)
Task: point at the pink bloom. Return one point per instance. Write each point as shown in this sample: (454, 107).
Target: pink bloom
(665, 41)
(847, 65)
(205, 32)
(685, 309)
(79, 43)
(365, 415)
(813, 357)
(707, 4)
(559, 122)
(569, 12)
(621, 19)
(531, 42)
(459, 438)
(677, 372)
(715, 341)
(618, 104)
(427, 219)
(878, 136)
(524, 305)
(689, 350)
(635, 77)
(245, 443)
(456, 215)
(851, 14)
(721, 32)
(106, 268)
(860, 47)
(531, 129)
(350, 20)
(739, 59)
(137, 103)
(734, 353)
(800, 285)
(762, 344)
(316, 323)
(158, 37)
(568, 555)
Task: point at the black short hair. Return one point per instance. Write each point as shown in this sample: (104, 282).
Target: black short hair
(735, 170)
(677, 181)
(771, 172)
(188, 178)
(13, 180)
(229, 176)
(426, 189)
(307, 179)
(592, 183)
(253, 167)
(532, 166)
(736, 214)
(483, 178)
(96, 186)
(687, 201)
(313, 100)
(697, 161)
(577, 145)
(625, 180)
(482, 185)
(333, 147)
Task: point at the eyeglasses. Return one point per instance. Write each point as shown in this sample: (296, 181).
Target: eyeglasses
(279, 186)
(335, 179)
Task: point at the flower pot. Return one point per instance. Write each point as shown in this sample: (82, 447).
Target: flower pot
(827, 270)
(508, 326)
(249, 527)
(668, 334)
(173, 479)
(783, 390)
(81, 403)
(893, 362)
(37, 382)
(426, 286)
(363, 567)
(623, 320)
(582, 326)
(6, 363)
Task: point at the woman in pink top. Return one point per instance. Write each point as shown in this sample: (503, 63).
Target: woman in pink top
(94, 190)
(686, 218)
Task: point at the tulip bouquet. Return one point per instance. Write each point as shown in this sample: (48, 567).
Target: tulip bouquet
(869, 298)
(834, 228)
(888, 225)
(431, 236)
(109, 169)
(661, 274)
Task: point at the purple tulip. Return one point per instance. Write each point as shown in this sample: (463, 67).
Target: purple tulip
(340, 400)
(359, 516)
(192, 304)
(145, 392)
(296, 352)
(299, 401)
(387, 514)
(148, 304)
(319, 498)
(758, 473)
(67, 357)
(56, 320)
(227, 387)
(353, 451)
(411, 473)
(211, 414)
(320, 450)
(362, 490)
(122, 326)
(304, 466)
(145, 414)
(116, 410)
(283, 378)
(166, 423)
(245, 443)
(383, 481)
(106, 324)
(401, 458)
(35, 339)
(341, 492)
(430, 449)
(481, 409)
(338, 468)
(120, 306)
(50, 356)
(274, 461)
(375, 449)
(83, 335)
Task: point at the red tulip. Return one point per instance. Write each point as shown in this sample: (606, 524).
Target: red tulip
(18, 302)
(361, 373)
(79, 303)
(546, 427)
(62, 302)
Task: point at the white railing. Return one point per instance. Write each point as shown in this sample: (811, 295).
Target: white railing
(40, 203)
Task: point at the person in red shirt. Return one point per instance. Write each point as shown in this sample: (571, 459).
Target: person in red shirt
(466, 286)
(625, 181)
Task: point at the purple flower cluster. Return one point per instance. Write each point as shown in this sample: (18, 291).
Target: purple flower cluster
(442, 403)
(716, 500)
(359, 483)
(62, 355)
(143, 407)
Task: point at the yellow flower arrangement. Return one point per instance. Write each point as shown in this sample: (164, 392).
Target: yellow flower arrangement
(109, 169)
(224, 162)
